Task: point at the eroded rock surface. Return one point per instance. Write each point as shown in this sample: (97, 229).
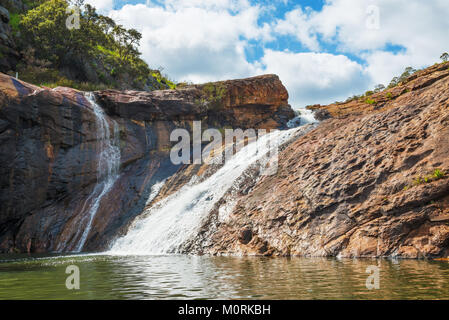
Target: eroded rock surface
(362, 184)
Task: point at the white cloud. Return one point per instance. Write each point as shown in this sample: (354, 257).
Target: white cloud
(420, 27)
(233, 5)
(203, 40)
(315, 77)
(297, 23)
(196, 43)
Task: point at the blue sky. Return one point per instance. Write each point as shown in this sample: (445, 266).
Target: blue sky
(323, 51)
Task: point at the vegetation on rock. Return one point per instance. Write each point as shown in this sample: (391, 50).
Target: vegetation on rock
(98, 54)
(405, 77)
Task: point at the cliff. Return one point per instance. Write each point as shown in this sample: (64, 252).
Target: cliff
(369, 181)
(50, 150)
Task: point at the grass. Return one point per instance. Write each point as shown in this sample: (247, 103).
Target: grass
(418, 181)
(437, 174)
(82, 86)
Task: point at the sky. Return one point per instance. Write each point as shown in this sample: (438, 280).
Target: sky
(323, 51)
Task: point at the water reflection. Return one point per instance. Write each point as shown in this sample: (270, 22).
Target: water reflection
(194, 277)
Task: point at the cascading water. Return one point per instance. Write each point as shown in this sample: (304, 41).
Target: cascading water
(164, 227)
(303, 117)
(107, 166)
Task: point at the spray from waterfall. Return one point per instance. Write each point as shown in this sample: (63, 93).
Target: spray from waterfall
(107, 167)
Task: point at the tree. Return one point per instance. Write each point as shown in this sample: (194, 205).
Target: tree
(126, 42)
(407, 73)
(379, 88)
(43, 28)
(394, 82)
(99, 51)
(444, 57)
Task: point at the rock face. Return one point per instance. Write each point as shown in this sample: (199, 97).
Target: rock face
(258, 102)
(371, 181)
(49, 152)
(9, 57)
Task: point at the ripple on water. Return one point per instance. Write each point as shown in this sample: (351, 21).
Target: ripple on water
(204, 277)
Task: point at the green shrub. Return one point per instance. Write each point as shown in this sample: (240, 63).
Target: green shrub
(438, 174)
(215, 92)
(370, 101)
(389, 95)
(418, 181)
(14, 21)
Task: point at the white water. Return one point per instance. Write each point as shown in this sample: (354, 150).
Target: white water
(303, 117)
(164, 227)
(107, 166)
(155, 191)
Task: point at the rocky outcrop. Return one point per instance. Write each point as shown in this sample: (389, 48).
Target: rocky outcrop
(371, 181)
(380, 101)
(258, 102)
(49, 152)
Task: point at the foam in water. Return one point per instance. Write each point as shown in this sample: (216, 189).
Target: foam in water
(164, 227)
(303, 117)
(155, 191)
(107, 166)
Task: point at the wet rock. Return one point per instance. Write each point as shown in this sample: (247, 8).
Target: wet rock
(321, 114)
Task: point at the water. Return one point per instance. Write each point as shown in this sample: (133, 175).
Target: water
(107, 167)
(203, 277)
(303, 117)
(165, 227)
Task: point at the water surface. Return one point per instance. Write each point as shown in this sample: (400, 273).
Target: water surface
(204, 277)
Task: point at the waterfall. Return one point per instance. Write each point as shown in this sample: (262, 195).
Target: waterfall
(107, 166)
(303, 116)
(164, 227)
